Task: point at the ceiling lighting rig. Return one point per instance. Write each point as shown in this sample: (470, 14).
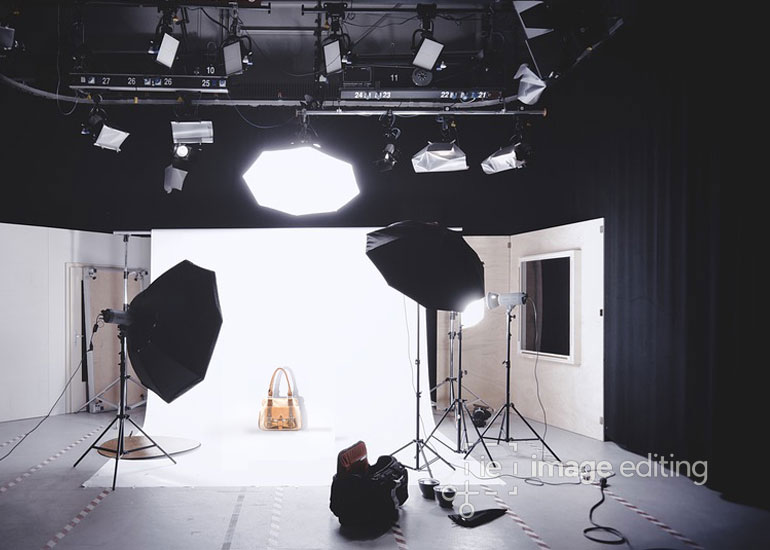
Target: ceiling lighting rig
(391, 154)
(444, 155)
(514, 155)
(237, 48)
(337, 45)
(301, 179)
(103, 136)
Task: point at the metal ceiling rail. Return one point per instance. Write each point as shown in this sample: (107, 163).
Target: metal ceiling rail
(333, 108)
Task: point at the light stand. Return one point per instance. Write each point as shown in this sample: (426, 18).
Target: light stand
(121, 417)
(419, 443)
(505, 424)
(101, 394)
(457, 403)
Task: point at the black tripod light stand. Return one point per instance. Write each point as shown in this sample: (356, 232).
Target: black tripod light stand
(504, 433)
(121, 416)
(419, 443)
(457, 404)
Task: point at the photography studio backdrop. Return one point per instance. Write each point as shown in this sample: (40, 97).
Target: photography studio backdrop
(309, 300)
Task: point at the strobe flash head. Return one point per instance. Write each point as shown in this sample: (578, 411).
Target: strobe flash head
(117, 317)
(508, 299)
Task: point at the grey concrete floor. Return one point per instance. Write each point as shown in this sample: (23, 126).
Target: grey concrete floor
(42, 505)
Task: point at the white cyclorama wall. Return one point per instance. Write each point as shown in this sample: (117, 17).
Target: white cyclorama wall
(572, 394)
(306, 299)
(33, 311)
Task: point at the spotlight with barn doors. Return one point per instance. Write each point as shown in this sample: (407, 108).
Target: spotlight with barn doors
(188, 138)
(102, 135)
(514, 155)
(338, 44)
(237, 49)
(164, 45)
(442, 156)
(428, 51)
(391, 154)
(301, 179)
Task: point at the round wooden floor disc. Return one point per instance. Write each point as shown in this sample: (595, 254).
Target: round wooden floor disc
(172, 445)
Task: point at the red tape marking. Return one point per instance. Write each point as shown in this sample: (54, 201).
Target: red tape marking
(655, 521)
(398, 534)
(515, 517)
(74, 522)
(4, 488)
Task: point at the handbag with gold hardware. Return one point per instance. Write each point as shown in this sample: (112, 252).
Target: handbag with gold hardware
(280, 413)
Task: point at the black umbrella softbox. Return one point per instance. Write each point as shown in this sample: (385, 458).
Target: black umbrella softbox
(174, 327)
(431, 264)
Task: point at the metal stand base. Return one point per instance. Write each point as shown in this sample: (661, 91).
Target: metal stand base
(460, 409)
(506, 424)
(121, 417)
(420, 443)
(120, 451)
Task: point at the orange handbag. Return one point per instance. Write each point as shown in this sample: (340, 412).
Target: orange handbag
(280, 413)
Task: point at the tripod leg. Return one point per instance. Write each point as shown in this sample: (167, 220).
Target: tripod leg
(446, 412)
(441, 458)
(483, 434)
(152, 441)
(534, 432)
(95, 443)
(118, 452)
(480, 438)
(421, 451)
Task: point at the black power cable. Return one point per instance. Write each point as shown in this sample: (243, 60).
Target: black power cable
(619, 538)
(67, 385)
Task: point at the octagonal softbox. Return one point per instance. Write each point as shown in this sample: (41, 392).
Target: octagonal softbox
(174, 329)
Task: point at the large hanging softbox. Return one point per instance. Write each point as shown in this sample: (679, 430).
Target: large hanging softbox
(174, 325)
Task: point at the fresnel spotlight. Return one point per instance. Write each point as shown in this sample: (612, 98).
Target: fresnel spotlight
(444, 155)
(391, 154)
(102, 135)
(188, 138)
(301, 179)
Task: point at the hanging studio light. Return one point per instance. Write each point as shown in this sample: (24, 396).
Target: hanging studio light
(110, 138)
(192, 132)
(173, 178)
(167, 51)
(439, 157)
(301, 180)
(507, 158)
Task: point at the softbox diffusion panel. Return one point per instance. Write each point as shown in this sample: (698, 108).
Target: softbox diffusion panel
(177, 322)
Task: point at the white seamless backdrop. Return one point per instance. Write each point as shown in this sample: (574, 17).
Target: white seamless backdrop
(309, 300)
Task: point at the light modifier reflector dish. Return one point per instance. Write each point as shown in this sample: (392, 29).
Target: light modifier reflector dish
(110, 138)
(333, 57)
(192, 132)
(503, 159)
(167, 52)
(301, 180)
(233, 58)
(439, 157)
(427, 54)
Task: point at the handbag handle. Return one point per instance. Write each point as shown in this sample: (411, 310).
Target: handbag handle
(272, 380)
